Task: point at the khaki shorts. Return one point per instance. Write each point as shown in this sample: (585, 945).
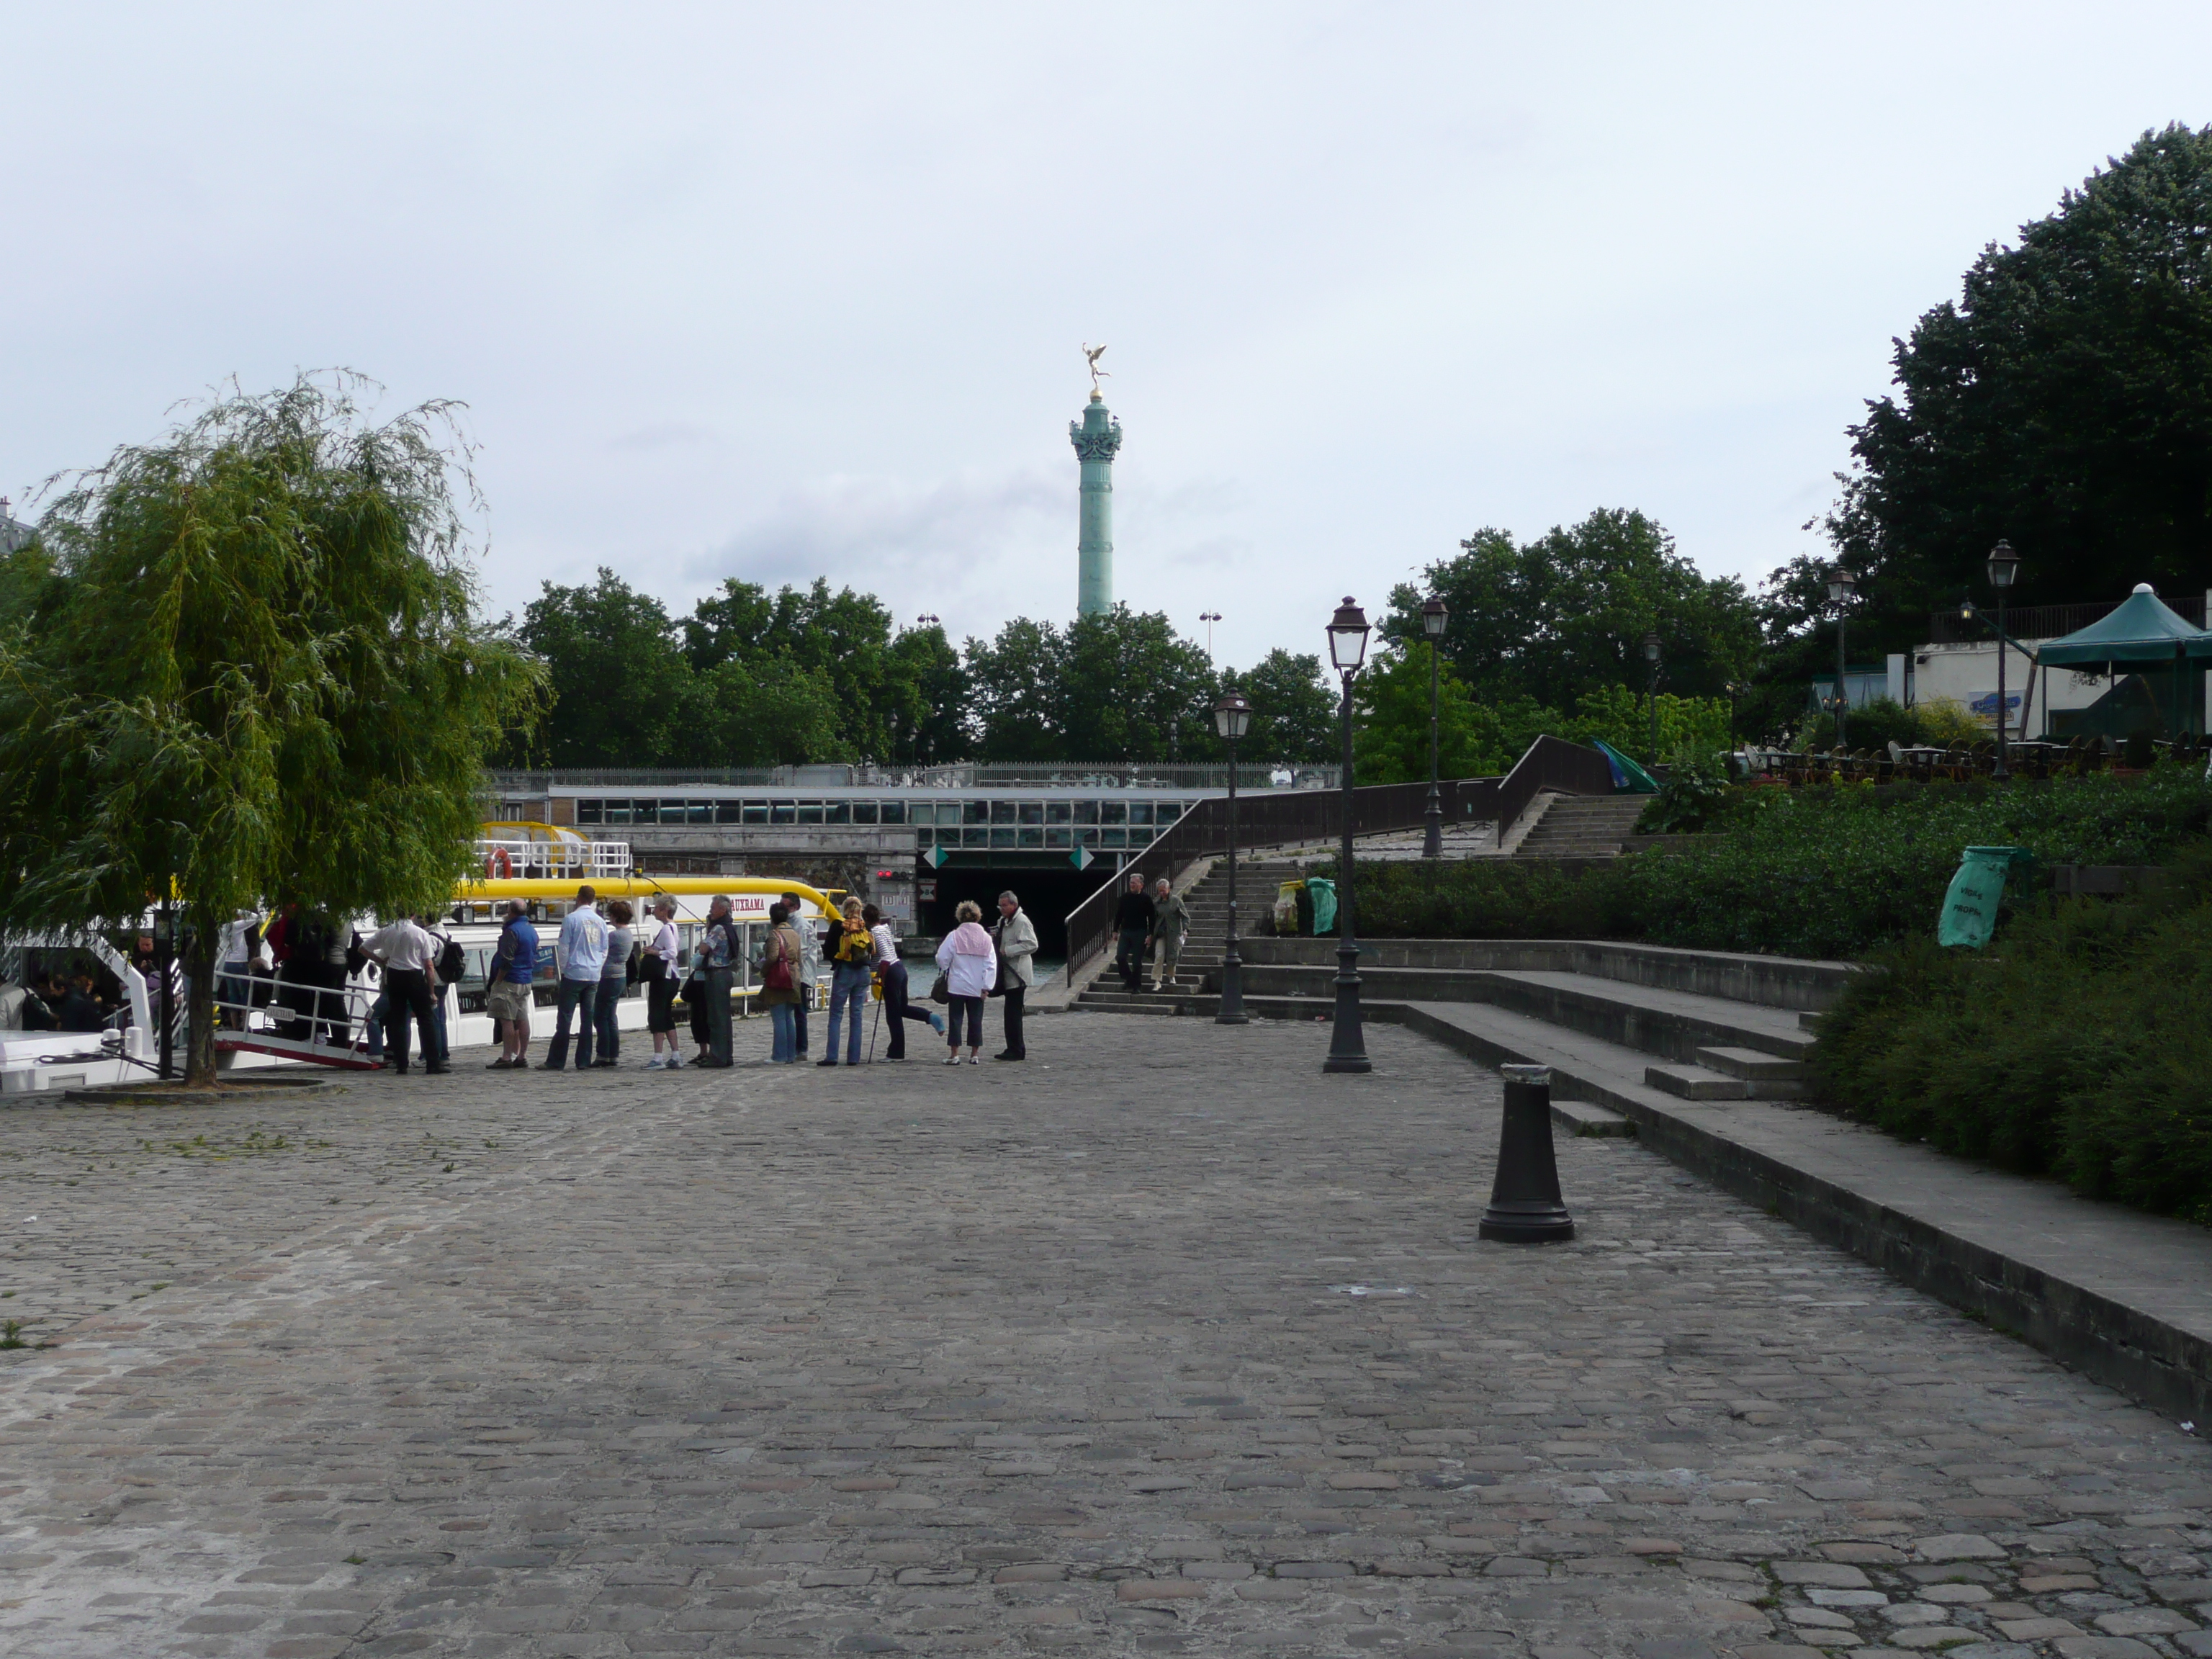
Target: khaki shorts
(509, 1001)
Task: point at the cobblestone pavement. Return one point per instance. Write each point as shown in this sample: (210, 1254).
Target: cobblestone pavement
(1162, 1343)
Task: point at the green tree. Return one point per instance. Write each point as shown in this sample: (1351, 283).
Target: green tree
(763, 712)
(1014, 682)
(1294, 710)
(2063, 402)
(1132, 689)
(1390, 722)
(251, 673)
(929, 715)
(619, 686)
(1553, 619)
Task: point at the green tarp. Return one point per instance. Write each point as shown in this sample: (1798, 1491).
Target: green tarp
(2144, 630)
(1628, 778)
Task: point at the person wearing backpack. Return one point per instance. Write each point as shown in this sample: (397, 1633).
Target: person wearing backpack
(853, 960)
(615, 978)
(781, 959)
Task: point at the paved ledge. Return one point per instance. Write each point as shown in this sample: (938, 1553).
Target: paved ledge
(2124, 1298)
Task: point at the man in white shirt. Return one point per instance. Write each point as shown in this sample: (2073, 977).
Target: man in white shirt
(409, 957)
(581, 952)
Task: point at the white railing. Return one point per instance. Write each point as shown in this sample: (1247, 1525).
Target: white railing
(524, 860)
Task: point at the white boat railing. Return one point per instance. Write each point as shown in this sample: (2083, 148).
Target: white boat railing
(524, 860)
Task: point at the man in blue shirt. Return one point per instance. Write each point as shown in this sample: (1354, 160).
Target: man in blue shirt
(513, 966)
(581, 951)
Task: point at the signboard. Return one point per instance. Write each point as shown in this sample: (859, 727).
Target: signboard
(935, 858)
(1080, 858)
(925, 890)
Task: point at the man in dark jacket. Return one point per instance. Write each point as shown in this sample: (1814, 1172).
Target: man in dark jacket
(1133, 921)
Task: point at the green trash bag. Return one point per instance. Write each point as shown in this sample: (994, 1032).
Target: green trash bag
(1970, 906)
(1323, 893)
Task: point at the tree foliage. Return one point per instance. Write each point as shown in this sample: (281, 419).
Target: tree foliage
(2063, 402)
(241, 667)
(1552, 620)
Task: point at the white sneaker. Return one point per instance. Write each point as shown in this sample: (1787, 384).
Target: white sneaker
(656, 1064)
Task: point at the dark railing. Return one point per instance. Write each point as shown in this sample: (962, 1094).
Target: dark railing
(2039, 622)
(1289, 818)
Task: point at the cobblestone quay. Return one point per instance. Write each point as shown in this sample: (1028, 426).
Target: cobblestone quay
(1163, 1343)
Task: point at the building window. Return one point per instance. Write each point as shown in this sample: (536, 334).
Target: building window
(1141, 812)
(1139, 837)
(1002, 837)
(1032, 812)
(755, 811)
(729, 811)
(895, 812)
(1002, 812)
(864, 811)
(837, 811)
(1114, 812)
(923, 839)
(1086, 837)
(783, 811)
(1032, 838)
(810, 811)
(1117, 837)
(1058, 838)
(1058, 811)
(1086, 811)
(617, 811)
(974, 812)
(699, 812)
(590, 812)
(972, 836)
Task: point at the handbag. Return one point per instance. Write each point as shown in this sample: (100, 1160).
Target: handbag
(775, 972)
(941, 993)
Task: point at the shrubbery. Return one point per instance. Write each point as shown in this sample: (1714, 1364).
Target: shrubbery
(2075, 1046)
(1829, 871)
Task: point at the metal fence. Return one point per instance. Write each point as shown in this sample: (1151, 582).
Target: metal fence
(1286, 818)
(2040, 622)
(963, 774)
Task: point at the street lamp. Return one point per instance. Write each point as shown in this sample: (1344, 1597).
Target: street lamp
(1347, 1050)
(1232, 719)
(1434, 614)
(2004, 565)
(1652, 656)
(926, 620)
(1209, 617)
(1841, 583)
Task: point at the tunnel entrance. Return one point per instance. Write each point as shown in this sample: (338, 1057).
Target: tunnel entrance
(1046, 893)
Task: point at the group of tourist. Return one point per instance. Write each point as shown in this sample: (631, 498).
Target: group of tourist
(598, 958)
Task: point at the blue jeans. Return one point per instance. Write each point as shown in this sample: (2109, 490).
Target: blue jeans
(848, 985)
(611, 996)
(577, 994)
(783, 1021)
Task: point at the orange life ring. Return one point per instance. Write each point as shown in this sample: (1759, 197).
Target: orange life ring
(499, 866)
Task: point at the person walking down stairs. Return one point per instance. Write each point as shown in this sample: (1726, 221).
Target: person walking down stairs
(1171, 925)
(1132, 926)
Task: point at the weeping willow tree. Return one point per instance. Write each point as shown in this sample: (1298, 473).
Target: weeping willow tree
(241, 667)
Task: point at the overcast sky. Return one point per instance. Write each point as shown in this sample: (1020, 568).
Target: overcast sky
(779, 291)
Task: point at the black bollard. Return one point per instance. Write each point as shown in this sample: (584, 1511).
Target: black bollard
(1525, 1205)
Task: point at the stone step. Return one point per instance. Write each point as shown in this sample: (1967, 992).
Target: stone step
(1696, 1082)
(1771, 1076)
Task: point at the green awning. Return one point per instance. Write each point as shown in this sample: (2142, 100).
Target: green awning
(2143, 631)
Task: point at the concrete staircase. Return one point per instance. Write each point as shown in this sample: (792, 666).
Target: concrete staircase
(1620, 1023)
(1582, 826)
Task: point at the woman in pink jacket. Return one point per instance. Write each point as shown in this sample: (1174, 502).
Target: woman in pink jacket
(970, 967)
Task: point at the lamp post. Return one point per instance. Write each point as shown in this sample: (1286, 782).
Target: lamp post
(1209, 617)
(1347, 1050)
(1232, 719)
(1651, 696)
(927, 619)
(2004, 565)
(1434, 614)
(1840, 584)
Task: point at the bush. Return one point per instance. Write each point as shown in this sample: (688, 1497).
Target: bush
(1938, 723)
(1694, 792)
(1489, 898)
(2075, 1047)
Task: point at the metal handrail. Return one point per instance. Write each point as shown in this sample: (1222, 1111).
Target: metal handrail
(1287, 818)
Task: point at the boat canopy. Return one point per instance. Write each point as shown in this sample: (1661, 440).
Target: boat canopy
(2144, 632)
